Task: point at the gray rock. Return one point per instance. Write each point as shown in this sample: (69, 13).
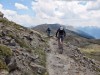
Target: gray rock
(4, 72)
(38, 68)
(1, 15)
(12, 43)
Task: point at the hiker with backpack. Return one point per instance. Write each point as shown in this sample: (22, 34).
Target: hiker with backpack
(60, 34)
(48, 32)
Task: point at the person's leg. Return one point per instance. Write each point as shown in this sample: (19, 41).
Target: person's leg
(48, 34)
(60, 45)
(62, 39)
(58, 42)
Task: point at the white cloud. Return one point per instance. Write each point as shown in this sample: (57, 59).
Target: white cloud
(1, 6)
(58, 11)
(67, 12)
(24, 20)
(94, 5)
(20, 6)
(58, 14)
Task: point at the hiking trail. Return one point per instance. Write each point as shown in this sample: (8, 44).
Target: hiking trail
(62, 64)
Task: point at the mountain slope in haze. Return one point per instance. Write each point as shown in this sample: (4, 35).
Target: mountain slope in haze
(21, 50)
(92, 30)
(54, 27)
(84, 34)
(77, 37)
(88, 46)
(42, 28)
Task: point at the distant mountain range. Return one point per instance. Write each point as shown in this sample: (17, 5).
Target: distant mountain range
(93, 31)
(84, 34)
(76, 32)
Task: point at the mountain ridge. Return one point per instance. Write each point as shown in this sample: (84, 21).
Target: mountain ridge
(53, 27)
(25, 51)
(92, 31)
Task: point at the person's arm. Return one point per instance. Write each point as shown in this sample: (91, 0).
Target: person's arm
(57, 32)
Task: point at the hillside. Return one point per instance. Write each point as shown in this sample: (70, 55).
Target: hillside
(42, 29)
(25, 51)
(81, 41)
(71, 62)
(77, 37)
(87, 46)
(21, 50)
(92, 30)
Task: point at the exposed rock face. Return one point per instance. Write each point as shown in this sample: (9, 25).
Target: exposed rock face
(21, 50)
(39, 69)
(75, 53)
(1, 15)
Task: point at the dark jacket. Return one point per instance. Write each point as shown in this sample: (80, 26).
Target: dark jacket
(48, 30)
(60, 32)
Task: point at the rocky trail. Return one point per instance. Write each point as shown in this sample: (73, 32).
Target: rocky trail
(62, 64)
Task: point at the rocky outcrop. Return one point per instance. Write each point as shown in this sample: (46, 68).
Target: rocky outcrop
(39, 69)
(1, 15)
(74, 53)
(20, 47)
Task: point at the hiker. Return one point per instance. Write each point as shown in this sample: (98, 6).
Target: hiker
(60, 34)
(48, 32)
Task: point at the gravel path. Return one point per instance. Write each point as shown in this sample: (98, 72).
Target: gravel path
(61, 64)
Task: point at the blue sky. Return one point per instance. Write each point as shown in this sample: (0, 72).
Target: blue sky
(35, 12)
(10, 4)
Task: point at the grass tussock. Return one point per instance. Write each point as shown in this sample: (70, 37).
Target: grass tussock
(92, 51)
(5, 51)
(3, 65)
(42, 56)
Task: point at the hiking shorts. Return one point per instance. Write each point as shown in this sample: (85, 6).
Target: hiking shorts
(61, 37)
